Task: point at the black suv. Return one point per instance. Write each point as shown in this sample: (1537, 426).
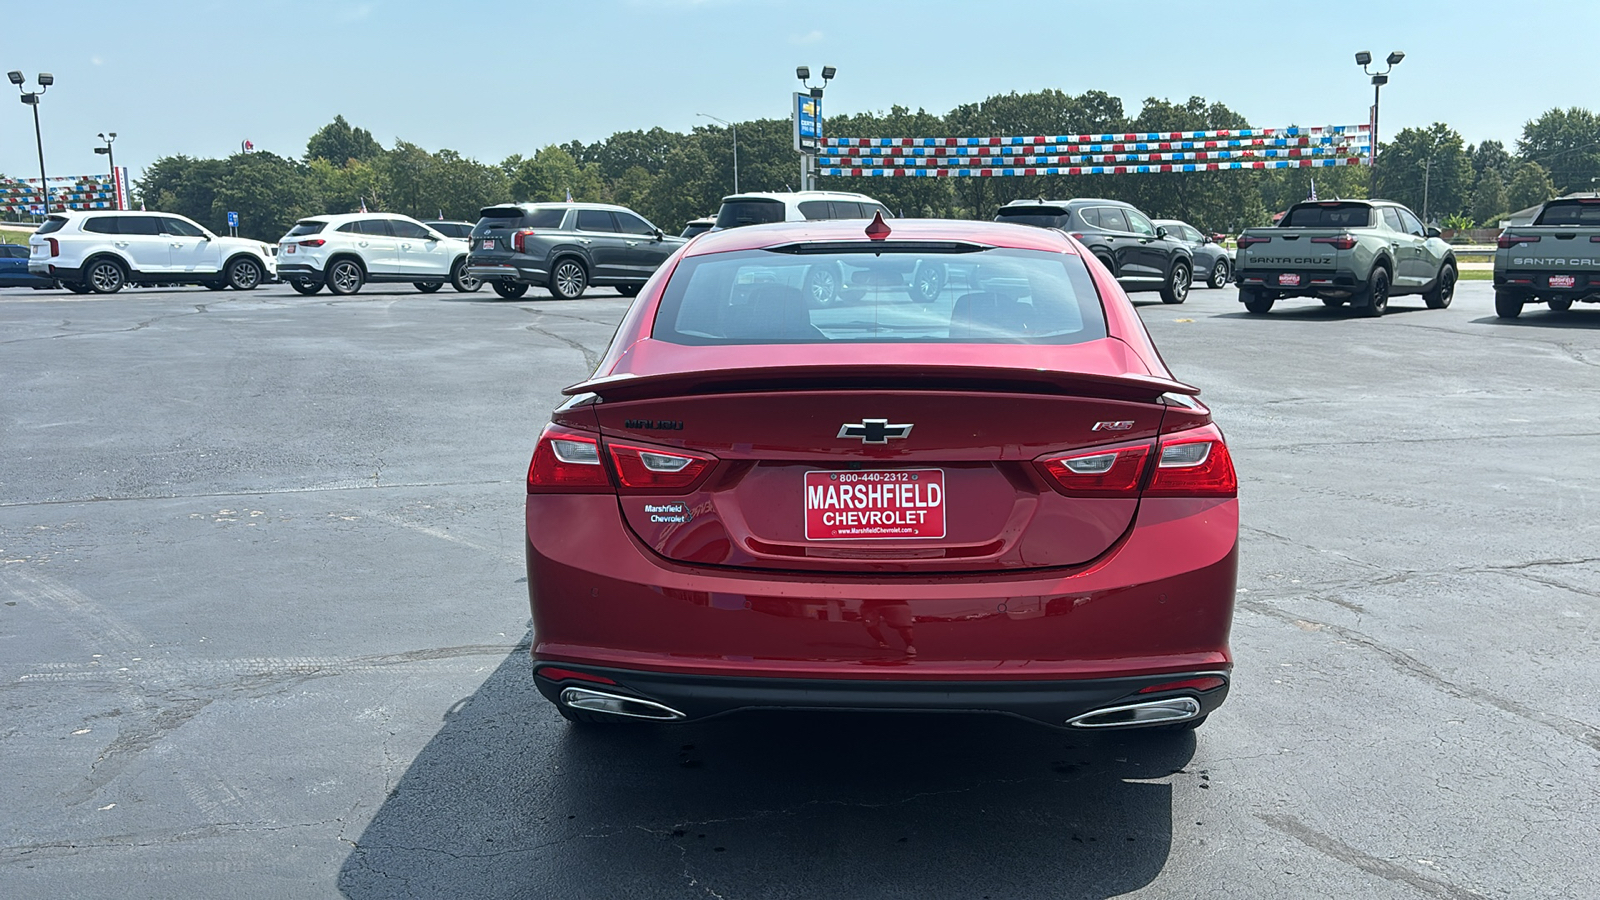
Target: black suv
(1139, 254)
(566, 247)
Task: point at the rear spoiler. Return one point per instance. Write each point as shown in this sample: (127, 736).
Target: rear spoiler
(881, 377)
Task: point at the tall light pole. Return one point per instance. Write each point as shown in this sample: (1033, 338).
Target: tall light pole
(116, 189)
(31, 98)
(1379, 79)
(804, 74)
(735, 129)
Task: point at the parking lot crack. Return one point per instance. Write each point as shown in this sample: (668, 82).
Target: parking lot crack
(1386, 869)
(591, 357)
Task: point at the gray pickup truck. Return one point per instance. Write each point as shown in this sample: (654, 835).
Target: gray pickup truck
(1360, 252)
(1554, 261)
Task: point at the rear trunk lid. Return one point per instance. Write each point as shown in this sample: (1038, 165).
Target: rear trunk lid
(494, 235)
(878, 466)
(1561, 250)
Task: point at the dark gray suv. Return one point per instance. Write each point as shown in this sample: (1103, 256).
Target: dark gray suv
(566, 247)
(1140, 255)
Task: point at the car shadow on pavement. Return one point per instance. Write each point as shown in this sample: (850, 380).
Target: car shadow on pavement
(507, 800)
(1583, 320)
(1313, 313)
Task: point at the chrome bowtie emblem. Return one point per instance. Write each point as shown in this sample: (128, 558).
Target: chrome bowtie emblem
(874, 431)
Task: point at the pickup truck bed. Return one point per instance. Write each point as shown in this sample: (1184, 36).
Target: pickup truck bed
(1554, 261)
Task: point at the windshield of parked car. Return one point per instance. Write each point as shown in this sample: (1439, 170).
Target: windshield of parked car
(1328, 215)
(912, 296)
(1570, 214)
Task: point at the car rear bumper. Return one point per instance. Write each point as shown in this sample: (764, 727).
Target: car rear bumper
(1158, 604)
(298, 272)
(1055, 703)
(1529, 284)
(1313, 282)
(508, 270)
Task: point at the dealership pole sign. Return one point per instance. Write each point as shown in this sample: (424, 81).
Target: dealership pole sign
(807, 123)
(1098, 154)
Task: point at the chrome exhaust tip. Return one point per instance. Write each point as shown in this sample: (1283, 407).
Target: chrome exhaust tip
(618, 705)
(1151, 712)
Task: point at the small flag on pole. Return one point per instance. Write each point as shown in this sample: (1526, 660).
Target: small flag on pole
(569, 195)
(1313, 189)
(363, 204)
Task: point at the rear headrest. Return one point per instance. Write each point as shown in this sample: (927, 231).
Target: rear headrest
(772, 312)
(990, 316)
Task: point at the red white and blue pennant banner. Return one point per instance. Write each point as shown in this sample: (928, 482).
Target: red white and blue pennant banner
(67, 192)
(1098, 154)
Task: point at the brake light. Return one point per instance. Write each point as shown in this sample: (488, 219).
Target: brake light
(1341, 242)
(55, 248)
(314, 242)
(1201, 683)
(566, 461)
(1247, 241)
(1512, 240)
(1194, 463)
(1104, 472)
(518, 240)
(652, 470)
(1595, 239)
(1077, 236)
(556, 674)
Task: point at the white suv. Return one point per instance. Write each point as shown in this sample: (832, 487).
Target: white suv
(761, 208)
(102, 251)
(346, 251)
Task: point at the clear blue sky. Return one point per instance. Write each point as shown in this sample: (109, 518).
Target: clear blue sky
(493, 78)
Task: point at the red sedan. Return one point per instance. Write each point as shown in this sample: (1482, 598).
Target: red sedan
(995, 500)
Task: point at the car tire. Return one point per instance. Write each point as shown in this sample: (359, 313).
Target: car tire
(427, 287)
(1219, 275)
(1444, 288)
(215, 285)
(345, 277)
(1254, 302)
(1560, 306)
(104, 276)
(1333, 302)
(1507, 305)
(305, 286)
(821, 285)
(1376, 296)
(244, 274)
(568, 279)
(1176, 290)
(461, 281)
(927, 282)
(510, 290)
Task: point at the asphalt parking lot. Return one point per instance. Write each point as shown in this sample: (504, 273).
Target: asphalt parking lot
(264, 630)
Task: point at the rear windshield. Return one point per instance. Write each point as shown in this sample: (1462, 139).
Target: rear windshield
(54, 223)
(694, 228)
(1037, 216)
(517, 217)
(749, 212)
(992, 296)
(1339, 215)
(1570, 213)
(305, 228)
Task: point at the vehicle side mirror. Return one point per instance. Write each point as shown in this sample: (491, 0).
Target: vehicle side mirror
(1161, 231)
(1434, 232)
(659, 234)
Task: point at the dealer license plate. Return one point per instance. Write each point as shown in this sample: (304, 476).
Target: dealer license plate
(1289, 280)
(1559, 281)
(893, 504)
(289, 248)
(488, 244)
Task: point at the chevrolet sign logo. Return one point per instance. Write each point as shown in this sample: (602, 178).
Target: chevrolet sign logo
(874, 431)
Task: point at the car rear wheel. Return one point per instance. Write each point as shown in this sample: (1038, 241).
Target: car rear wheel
(821, 285)
(510, 290)
(461, 281)
(427, 287)
(105, 276)
(926, 283)
(1507, 306)
(568, 280)
(244, 274)
(1444, 289)
(1254, 302)
(1219, 274)
(345, 277)
(305, 286)
(1561, 305)
(1377, 294)
(1177, 286)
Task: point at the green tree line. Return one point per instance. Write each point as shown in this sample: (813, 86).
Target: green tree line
(671, 177)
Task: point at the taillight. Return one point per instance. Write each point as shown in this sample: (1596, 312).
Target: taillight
(55, 247)
(314, 242)
(1512, 240)
(1595, 239)
(1077, 236)
(1103, 472)
(1199, 683)
(566, 461)
(1193, 463)
(1342, 242)
(658, 470)
(1246, 241)
(518, 240)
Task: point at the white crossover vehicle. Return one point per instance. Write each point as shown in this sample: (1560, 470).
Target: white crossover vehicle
(100, 252)
(760, 208)
(346, 251)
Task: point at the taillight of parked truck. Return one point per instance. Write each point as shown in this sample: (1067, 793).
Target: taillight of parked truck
(1247, 241)
(1512, 240)
(1339, 242)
